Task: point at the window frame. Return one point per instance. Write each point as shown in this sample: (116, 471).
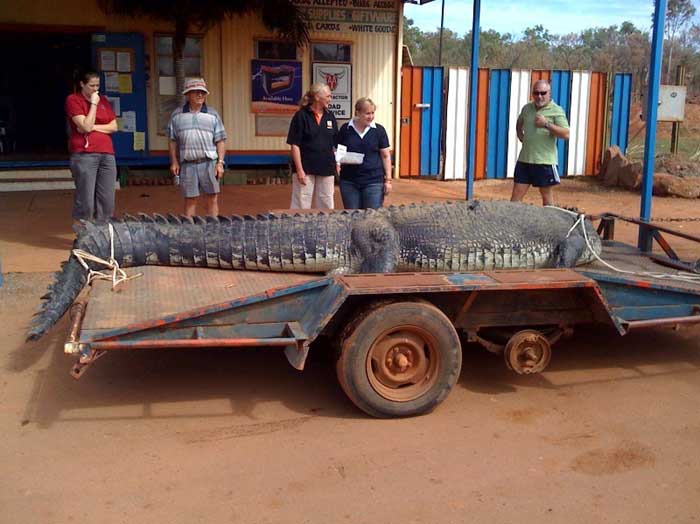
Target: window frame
(258, 39)
(314, 43)
(162, 113)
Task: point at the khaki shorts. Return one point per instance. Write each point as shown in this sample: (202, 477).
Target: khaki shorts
(198, 177)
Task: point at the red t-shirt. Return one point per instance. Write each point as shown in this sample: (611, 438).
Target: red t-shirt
(93, 142)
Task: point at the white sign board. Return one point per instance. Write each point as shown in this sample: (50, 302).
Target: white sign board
(339, 78)
(671, 107)
(671, 103)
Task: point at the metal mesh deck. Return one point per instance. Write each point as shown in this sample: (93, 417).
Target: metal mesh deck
(629, 258)
(163, 291)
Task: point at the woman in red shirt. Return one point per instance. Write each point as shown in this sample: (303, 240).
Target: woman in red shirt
(92, 164)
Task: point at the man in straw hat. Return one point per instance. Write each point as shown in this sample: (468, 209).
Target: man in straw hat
(197, 148)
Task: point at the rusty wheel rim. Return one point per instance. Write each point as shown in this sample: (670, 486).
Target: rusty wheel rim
(403, 363)
(528, 352)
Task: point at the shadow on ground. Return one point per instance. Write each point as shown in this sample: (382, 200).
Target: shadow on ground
(593, 355)
(131, 385)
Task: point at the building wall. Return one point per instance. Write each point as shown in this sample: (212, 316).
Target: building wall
(374, 65)
(227, 52)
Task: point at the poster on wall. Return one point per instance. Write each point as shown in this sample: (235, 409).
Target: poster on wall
(107, 60)
(339, 79)
(276, 86)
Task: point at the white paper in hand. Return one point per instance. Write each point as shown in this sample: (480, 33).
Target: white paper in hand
(344, 156)
(340, 152)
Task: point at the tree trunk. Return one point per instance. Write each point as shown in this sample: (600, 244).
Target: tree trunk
(670, 59)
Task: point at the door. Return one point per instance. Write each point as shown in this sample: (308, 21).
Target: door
(119, 59)
(421, 120)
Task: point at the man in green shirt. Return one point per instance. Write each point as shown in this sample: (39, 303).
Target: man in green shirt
(539, 125)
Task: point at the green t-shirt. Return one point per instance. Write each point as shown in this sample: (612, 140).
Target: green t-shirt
(539, 145)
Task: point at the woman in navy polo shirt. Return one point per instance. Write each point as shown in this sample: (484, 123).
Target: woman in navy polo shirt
(364, 185)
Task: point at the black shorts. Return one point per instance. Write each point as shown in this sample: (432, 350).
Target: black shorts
(538, 175)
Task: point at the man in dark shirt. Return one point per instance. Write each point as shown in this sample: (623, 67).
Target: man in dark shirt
(313, 137)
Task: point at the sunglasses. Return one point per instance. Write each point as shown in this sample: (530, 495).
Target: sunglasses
(540, 93)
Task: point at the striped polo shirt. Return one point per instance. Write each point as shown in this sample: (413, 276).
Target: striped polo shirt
(196, 133)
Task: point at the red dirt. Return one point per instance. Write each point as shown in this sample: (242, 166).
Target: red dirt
(606, 434)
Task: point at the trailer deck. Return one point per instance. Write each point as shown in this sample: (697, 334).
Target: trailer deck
(403, 326)
(164, 295)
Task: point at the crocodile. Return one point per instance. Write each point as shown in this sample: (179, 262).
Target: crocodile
(448, 236)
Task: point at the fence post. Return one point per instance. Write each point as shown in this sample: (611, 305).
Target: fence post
(676, 129)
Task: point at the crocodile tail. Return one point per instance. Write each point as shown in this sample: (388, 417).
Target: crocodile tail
(263, 243)
(68, 283)
(94, 239)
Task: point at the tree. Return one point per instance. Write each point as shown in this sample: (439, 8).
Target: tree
(412, 37)
(623, 48)
(569, 52)
(678, 14)
(494, 48)
(281, 16)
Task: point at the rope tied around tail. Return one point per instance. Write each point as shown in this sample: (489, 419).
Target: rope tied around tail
(117, 274)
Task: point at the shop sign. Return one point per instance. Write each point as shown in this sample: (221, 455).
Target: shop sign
(350, 16)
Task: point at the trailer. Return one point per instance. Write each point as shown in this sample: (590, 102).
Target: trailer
(397, 337)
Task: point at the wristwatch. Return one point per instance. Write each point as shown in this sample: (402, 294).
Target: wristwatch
(546, 125)
(222, 162)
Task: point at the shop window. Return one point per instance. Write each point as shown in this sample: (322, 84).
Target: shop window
(167, 97)
(330, 52)
(275, 50)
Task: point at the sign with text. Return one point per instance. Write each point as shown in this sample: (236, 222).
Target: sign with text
(276, 86)
(356, 16)
(339, 78)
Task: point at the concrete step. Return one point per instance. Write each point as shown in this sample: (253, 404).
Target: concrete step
(6, 187)
(35, 180)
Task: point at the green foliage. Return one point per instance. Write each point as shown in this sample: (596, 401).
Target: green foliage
(623, 49)
(678, 15)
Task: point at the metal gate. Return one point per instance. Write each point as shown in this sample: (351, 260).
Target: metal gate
(456, 124)
(456, 118)
(561, 94)
(501, 94)
(597, 123)
(421, 120)
(499, 91)
(620, 119)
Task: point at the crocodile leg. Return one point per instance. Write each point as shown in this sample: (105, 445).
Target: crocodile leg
(374, 246)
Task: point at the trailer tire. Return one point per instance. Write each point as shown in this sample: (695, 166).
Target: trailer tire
(399, 359)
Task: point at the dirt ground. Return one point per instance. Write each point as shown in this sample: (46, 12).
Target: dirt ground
(608, 433)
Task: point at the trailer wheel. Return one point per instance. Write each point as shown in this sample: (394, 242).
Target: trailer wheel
(528, 352)
(399, 359)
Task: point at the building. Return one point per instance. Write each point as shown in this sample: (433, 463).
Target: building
(255, 78)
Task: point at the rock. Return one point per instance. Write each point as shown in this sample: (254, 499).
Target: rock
(613, 162)
(630, 176)
(671, 185)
